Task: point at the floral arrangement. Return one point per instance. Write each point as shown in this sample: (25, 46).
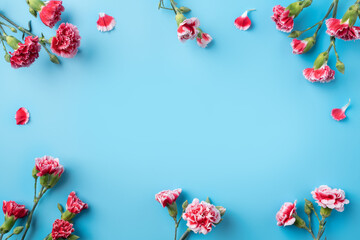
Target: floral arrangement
(201, 217)
(64, 44)
(47, 172)
(343, 29)
(327, 198)
(188, 28)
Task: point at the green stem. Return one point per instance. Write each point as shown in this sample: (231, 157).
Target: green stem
(29, 219)
(322, 20)
(1, 236)
(25, 31)
(185, 235)
(175, 8)
(9, 236)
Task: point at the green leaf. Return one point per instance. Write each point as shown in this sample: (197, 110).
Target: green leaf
(61, 209)
(73, 237)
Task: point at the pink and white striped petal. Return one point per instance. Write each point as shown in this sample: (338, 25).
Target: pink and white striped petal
(22, 116)
(339, 113)
(105, 22)
(243, 22)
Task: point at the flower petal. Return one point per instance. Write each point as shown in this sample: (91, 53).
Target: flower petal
(105, 23)
(22, 116)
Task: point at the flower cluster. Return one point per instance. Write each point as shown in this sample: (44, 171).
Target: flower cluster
(64, 227)
(47, 171)
(188, 28)
(337, 28)
(326, 197)
(201, 217)
(65, 43)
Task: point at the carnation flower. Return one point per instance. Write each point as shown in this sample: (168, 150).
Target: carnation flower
(167, 197)
(323, 74)
(342, 30)
(284, 22)
(12, 209)
(188, 29)
(67, 41)
(61, 229)
(48, 165)
(201, 216)
(284, 216)
(74, 204)
(50, 14)
(25, 53)
(327, 197)
(203, 39)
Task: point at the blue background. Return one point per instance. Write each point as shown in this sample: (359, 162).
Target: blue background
(136, 112)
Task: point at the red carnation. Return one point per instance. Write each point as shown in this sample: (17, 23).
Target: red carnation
(11, 208)
(50, 14)
(342, 30)
(61, 229)
(74, 204)
(323, 74)
(48, 165)
(188, 29)
(283, 21)
(26, 53)
(67, 41)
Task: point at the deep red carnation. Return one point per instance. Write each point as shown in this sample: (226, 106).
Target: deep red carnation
(61, 229)
(11, 208)
(26, 53)
(67, 41)
(74, 204)
(50, 14)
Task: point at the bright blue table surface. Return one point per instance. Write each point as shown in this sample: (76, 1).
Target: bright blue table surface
(137, 112)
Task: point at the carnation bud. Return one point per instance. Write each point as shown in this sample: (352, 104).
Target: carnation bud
(7, 57)
(325, 212)
(307, 210)
(185, 205)
(222, 210)
(321, 60)
(34, 173)
(12, 42)
(54, 59)
(18, 230)
(61, 209)
(309, 204)
(295, 34)
(299, 222)
(179, 18)
(184, 9)
(13, 30)
(340, 66)
(172, 210)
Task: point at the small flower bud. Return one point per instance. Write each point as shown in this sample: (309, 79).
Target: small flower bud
(325, 212)
(61, 209)
(18, 230)
(34, 173)
(309, 204)
(179, 18)
(295, 34)
(184, 9)
(33, 12)
(222, 210)
(307, 210)
(54, 59)
(13, 30)
(321, 60)
(7, 57)
(299, 222)
(185, 205)
(340, 66)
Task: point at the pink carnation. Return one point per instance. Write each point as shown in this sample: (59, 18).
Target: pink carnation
(283, 21)
(67, 41)
(284, 216)
(50, 14)
(330, 198)
(323, 74)
(201, 216)
(26, 53)
(61, 229)
(188, 29)
(167, 197)
(74, 204)
(342, 30)
(48, 165)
